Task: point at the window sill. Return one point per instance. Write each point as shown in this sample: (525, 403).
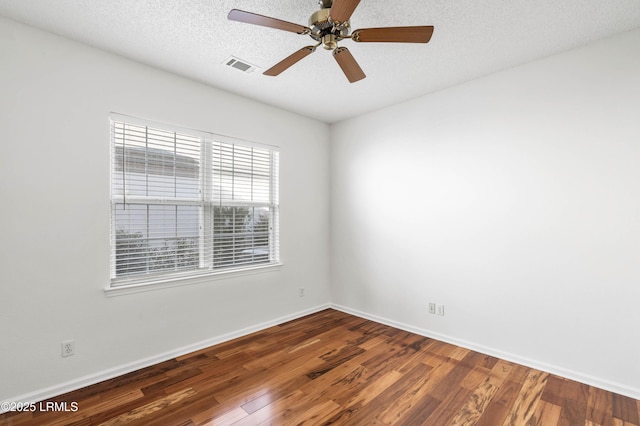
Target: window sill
(142, 286)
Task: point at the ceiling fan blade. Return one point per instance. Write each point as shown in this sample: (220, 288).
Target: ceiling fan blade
(289, 60)
(341, 10)
(265, 21)
(394, 34)
(348, 64)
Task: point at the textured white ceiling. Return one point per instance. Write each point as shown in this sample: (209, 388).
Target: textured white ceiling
(193, 38)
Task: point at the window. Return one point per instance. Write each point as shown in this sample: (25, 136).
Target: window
(186, 203)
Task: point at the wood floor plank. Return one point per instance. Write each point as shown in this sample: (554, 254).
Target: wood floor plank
(315, 413)
(210, 417)
(178, 413)
(599, 407)
(625, 409)
(272, 391)
(335, 368)
(573, 412)
(335, 358)
(553, 391)
(529, 396)
(359, 405)
(388, 357)
(360, 386)
(546, 414)
(301, 408)
(148, 409)
(271, 411)
(420, 385)
(454, 377)
(500, 405)
(448, 408)
(346, 375)
(482, 394)
(418, 415)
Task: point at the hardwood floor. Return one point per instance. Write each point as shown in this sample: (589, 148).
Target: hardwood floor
(335, 368)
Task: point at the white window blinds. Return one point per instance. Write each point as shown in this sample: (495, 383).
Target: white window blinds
(188, 202)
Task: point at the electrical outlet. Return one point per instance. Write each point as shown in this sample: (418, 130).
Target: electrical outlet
(432, 308)
(68, 348)
(301, 292)
(440, 309)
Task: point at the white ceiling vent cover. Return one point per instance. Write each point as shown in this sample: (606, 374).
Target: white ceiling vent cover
(240, 64)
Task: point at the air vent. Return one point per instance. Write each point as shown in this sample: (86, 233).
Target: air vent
(240, 64)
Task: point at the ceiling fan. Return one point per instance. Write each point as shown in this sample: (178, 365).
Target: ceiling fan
(327, 27)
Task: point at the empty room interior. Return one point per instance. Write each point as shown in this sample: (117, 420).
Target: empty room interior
(347, 212)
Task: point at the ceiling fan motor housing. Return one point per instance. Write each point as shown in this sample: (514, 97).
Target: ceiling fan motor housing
(323, 30)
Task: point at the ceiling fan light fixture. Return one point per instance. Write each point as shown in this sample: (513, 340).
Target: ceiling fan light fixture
(329, 42)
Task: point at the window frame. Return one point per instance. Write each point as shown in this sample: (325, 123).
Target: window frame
(206, 203)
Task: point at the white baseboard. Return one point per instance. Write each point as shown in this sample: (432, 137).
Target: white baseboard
(98, 377)
(559, 371)
(111, 373)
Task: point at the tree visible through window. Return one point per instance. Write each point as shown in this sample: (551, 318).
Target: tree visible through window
(188, 202)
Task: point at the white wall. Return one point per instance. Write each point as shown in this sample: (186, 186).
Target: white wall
(514, 200)
(55, 100)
